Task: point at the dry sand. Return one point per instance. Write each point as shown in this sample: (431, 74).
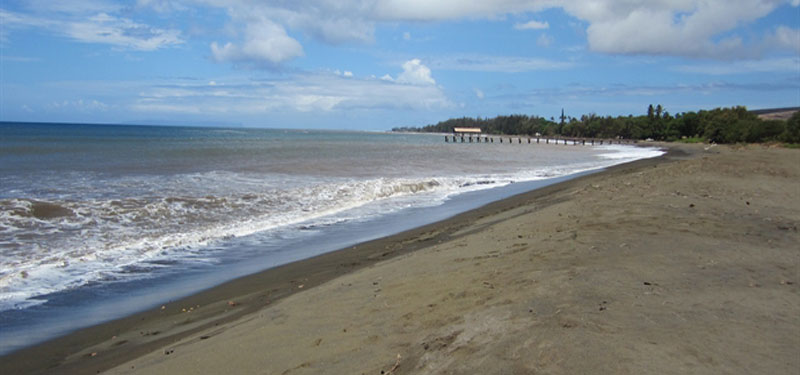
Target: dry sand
(686, 264)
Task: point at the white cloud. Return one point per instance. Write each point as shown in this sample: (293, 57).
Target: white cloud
(265, 43)
(121, 32)
(774, 65)
(677, 27)
(426, 10)
(659, 27)
(692, 28)
(503, 64)
(331, 21)
(619, 91)
(415, 73)
(80, 105)
(532, 25)
(479, 94)
(98, 28)
(303, 93)
(786, 37)
(17, 20)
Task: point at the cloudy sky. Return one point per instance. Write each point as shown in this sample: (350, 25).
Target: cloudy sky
(375, 64)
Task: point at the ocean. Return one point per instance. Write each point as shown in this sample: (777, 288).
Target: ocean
(101, 221)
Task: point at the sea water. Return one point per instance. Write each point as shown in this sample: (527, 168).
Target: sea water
(99, 221)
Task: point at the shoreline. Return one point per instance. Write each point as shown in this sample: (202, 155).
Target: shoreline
(432, 325)
(281, 280)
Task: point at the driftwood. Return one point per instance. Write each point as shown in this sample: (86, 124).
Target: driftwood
(396, 365)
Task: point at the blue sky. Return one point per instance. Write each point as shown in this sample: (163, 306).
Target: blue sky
(376, 64)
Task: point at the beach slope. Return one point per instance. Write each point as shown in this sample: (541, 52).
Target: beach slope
(683, 264)
(688, 266)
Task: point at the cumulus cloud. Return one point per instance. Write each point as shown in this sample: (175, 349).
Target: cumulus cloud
(689, 28)
(669, 28)
(692, 28)
(265, 43)
(415, 73)
(263, 27)
(331, 21)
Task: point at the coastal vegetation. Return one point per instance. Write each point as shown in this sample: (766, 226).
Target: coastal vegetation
(720, 125)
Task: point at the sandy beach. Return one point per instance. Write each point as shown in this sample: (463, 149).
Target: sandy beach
(688, 263)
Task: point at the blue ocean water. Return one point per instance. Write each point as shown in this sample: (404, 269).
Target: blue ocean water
(99, 221)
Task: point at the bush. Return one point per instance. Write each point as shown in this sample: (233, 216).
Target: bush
(791, 133)
(764, 131)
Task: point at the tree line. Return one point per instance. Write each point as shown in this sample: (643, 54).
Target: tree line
(720, 125)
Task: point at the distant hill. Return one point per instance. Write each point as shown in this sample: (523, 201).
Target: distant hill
(775, 113)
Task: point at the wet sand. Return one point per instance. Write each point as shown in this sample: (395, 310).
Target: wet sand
(683, 264)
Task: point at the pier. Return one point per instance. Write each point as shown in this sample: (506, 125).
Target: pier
(476, 137)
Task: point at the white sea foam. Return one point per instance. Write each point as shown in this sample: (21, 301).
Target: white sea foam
(105, 239)
(624, 152)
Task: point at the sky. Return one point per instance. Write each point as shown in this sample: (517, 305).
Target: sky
(378, 64)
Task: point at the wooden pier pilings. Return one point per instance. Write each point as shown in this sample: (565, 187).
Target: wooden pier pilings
(529, 140)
